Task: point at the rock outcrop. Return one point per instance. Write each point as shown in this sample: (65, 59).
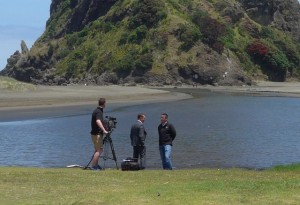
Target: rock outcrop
(117, 42)
(282, 14)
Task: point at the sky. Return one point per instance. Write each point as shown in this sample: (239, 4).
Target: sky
(21, 20)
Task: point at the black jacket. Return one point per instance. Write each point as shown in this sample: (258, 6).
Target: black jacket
(138, 134)
(167, 134)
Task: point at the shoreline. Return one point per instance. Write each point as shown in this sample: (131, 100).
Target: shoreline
(262, 88)
(62, 96)
(46, 97)
(52, 101)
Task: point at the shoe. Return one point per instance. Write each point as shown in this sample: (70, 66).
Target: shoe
(96, 168)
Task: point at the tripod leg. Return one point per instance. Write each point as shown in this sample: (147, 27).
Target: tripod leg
(105, 151)
(113, 153)
(107, 144)
(89, 162)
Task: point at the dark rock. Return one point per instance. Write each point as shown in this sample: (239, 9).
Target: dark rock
(232, 10)
(58, 80)
(24, 47)
(86, 12)
(283, 14)
(13, 59)
(107, 78)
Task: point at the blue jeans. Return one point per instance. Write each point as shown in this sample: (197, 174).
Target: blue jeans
(165, 155)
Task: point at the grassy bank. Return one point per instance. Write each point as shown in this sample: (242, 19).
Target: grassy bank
(11, 84)
(203, 186)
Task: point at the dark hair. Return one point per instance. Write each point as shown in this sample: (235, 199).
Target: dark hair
(101, 101)
(140, 115)
(165, 114)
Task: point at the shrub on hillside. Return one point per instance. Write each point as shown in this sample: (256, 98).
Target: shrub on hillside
(138, 35)
(159, 39)
(188, 34)
(147, 13)
(134, 61)
(266, 32)
(292, 53)
(258, 49)
(75, 39)
(273, 62)
(143, 63)
(123, 38)
(50, 49)
(125, 65)
(211, 29)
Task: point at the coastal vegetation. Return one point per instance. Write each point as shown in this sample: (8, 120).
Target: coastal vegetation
(10, 84)
(279, 185)
(202, 41)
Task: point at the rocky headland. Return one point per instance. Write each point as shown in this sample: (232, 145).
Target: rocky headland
(163, 43)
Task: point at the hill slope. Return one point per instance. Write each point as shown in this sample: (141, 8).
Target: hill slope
(227, 42)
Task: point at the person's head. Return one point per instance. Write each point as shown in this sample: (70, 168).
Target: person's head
(163, 118)
(101, 102)
(141, 117)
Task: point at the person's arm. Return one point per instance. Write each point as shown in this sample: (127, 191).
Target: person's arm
(173, 132)
(99, 123)
(142, 134)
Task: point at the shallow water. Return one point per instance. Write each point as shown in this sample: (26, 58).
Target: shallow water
(214, 130)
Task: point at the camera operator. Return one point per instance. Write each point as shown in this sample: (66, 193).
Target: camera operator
(138, 137)
(97, 132)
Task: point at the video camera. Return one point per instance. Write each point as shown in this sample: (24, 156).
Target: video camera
(110, 123)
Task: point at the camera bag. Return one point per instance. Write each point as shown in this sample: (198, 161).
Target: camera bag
(130, 164)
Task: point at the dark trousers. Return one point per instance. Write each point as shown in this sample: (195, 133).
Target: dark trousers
(139, 152)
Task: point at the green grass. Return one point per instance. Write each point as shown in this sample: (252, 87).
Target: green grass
(291, 167)
(201, 186)
(11, 84)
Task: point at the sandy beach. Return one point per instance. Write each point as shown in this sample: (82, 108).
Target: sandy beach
(49, 96)
(54, 100)
(54, 96)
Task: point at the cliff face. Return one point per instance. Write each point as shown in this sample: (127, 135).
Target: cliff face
(283, 15)
(224, 42)
(84, 12)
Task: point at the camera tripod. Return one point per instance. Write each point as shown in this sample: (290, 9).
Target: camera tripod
(107, 144)
(107, 148)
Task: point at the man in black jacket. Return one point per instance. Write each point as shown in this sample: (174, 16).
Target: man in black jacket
(167, 134)
(138, 137)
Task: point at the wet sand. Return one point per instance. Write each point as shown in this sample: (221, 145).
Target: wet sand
(51, 101)
(54, 99)
(53, 96)
(262, 88)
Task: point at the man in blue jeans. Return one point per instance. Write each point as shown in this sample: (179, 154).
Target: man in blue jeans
(167, 134)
